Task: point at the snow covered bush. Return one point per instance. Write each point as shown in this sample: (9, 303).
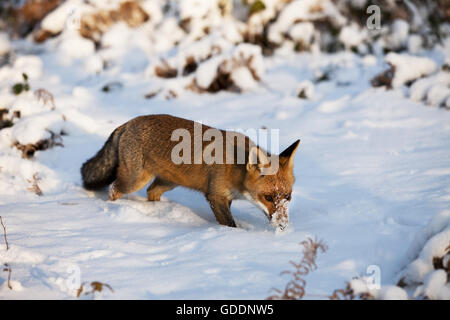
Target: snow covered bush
(425, 81)
(428, 275)
(400, 71)
(177, 39)
(300, 24)
(29, 122)
(213, 65)
(404, 72)
(239, 69)
(434, 89)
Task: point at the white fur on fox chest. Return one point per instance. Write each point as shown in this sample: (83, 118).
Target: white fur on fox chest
(246, 196)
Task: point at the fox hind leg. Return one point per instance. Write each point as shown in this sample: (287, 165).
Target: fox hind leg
(158, 187)
(128, 181)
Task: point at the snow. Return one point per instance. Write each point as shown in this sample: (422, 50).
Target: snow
(302, 32)
(74, 46)
(436, 287)
(420, 88)
(243, 78)
(404, 71)
(392, 293)
(358, 286)
(207, 71)
(415, 43)
(244, 62)
(305, 89)
(437, 224)
(153, 9)
(31, 65)
(438, 94)
(67, 15)
(352, 36)
(398, 37)
(5, 45)
(372, 172)
(303, 10)
(252, 54)
(37, 127)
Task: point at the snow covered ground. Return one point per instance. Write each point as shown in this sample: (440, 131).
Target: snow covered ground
(373, 168)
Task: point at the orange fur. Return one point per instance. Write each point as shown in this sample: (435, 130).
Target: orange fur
(140, 150)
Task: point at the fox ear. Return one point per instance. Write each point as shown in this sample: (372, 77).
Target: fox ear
(287, 156)
(256, 159)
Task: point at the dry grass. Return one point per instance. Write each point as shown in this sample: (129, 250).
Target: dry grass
(34, 185)
(348, 294)
(96, 286)
(7, 268)
(295, 289)
(4, 233)
(46, 97)
(152, 94)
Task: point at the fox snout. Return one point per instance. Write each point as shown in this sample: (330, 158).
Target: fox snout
(272, 192)
(279, 214)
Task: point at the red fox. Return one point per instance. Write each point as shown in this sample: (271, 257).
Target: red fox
(144, 149)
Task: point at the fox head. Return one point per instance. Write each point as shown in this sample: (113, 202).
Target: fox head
(269, 185)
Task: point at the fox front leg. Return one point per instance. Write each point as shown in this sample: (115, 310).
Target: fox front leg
(221, 208)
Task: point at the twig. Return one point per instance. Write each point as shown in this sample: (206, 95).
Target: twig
(4, 233)
(8, 269)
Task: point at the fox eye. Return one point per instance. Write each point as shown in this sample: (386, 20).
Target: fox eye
(268, 197)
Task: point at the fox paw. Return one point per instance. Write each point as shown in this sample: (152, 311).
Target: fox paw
(114, 194)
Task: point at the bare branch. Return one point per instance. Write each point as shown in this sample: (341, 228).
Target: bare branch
(4, 233)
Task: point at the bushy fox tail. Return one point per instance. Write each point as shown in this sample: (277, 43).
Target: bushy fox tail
(99, 171)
